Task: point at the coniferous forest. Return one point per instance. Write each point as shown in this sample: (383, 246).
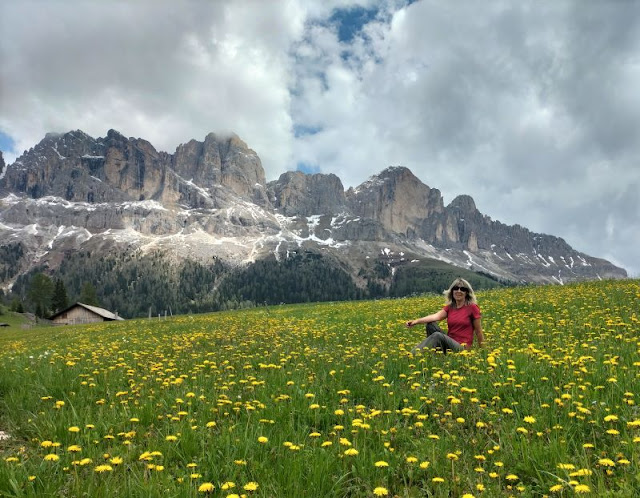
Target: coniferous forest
(138, 285)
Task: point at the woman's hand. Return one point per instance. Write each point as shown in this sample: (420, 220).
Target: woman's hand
(410, 323)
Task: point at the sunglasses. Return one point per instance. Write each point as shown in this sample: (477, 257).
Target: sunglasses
(463, 289)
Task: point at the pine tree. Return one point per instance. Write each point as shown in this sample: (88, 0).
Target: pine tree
(88, 295)
(40, 293)
(60, 299)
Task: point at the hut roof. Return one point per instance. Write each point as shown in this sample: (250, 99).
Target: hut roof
(106, 314)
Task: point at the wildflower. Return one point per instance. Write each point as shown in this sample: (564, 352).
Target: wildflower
(74, 448)
(103, 468)
(351, 452)
(380, 491)
(228, 485)
(467, 495)
(411, 459)
(11, 459)
(211, 424)
(46, 444)
(195, 476)
(381, 463)
(263, 440)
(251, 486)
(556, 487)
(529, 419)
(581, 488)
(116, 460)
(437, 479)
(74, 428)
(611, 418)
(206, 487)
(171, 438)
(512, 477)
(606, 462)
(338, 412)
(52, 457)
(452, 456)
(424, 465)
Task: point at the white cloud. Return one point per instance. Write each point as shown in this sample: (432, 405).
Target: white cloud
(529, 107)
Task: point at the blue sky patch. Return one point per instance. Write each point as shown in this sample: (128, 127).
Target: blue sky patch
(6, 142)
(350, 21)
(302, 130)
(309, 169)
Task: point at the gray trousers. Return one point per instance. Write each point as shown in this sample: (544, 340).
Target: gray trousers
(437, 339)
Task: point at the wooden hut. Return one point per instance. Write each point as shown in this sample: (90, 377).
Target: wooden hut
(83, 313)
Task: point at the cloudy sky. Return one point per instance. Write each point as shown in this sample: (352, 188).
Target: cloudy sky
(531, 107)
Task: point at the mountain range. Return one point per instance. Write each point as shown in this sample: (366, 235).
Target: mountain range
(210, 200)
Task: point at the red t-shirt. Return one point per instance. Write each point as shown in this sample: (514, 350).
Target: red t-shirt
(460, 322)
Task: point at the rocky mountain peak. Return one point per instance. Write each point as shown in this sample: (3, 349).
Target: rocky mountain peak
(299, 194)
(397, 199)
(464, 203)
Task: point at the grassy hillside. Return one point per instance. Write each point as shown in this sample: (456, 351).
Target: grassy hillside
(326, 400)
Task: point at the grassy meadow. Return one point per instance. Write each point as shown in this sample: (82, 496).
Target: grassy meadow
(326, 400)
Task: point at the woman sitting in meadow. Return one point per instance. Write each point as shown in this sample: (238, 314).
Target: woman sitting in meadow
(463, 320)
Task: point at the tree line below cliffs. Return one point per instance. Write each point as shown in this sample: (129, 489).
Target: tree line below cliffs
(139, 285)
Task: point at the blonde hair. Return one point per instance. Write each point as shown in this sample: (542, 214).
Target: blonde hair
(470, 298)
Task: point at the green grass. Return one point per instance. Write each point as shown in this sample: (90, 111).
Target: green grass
(548, 407)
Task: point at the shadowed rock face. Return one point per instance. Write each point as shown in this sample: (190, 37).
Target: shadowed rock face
(211, 197)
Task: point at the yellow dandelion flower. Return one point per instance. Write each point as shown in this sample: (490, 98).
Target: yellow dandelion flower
(529, 419)
(611, 418)
(437, 479)
(116, 460)
(195, 476)
(452, 456)
(467, 495)
(581, 488)
(606, 462)
(228, 485)
(46, 444)
(171, 438)
(424, 465)
(11, 459)
(326, 443)
(351, 452)
(556, 488)
(613, 432)
(211, 424)
(206, 487)
(381, 463)
(512, 477)
(74, 428)
(411, 459)
(263, 440)
(250, 486)
(380, 491)
(74, 448)
(51, 457)
(103, 468)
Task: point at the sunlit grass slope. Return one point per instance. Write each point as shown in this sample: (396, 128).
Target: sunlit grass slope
(326, 400)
